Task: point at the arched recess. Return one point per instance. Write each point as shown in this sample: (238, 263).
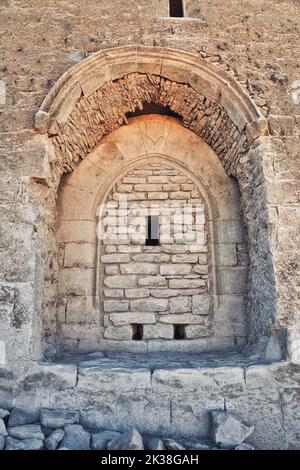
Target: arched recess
(92, 99)
(93, 270)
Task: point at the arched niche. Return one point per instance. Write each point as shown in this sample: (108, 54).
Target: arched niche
(94, 98)
(162, 142)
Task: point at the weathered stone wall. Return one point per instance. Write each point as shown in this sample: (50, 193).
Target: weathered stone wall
(256, 42)
(165, 285)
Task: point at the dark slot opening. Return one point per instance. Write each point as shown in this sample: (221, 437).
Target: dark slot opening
(153, 108)
(176, 8)
(152, 230)
(137, 332)
(179, 332)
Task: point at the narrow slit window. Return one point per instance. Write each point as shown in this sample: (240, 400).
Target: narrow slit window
(152, 230)
(137, 332)
(179, 331)
(176, 8)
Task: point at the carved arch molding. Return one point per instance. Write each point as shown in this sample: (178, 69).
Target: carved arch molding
(93, 99)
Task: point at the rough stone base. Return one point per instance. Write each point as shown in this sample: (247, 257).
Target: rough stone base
(164, 394)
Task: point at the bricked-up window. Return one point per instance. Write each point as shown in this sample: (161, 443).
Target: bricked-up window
(152, 230)
(176, 8)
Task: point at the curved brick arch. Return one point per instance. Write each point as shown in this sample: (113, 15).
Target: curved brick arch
(92, 99)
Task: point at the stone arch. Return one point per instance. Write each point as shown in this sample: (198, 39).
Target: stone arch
(93, 99)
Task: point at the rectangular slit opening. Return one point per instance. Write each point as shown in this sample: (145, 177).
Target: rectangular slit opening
(176, 8)
(137, 332)
(179, 331)
(152, 230)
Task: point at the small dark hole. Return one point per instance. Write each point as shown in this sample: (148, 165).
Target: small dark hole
(152, 231)
(179, 331)
(137, 332)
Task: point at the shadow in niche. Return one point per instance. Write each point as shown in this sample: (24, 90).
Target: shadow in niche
(152, 108)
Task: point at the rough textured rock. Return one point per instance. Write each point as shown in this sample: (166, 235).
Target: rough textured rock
(244, 446)
(2, 442)
(173, 445)
(101, 439)
(20, 416)
(25, 444)
(54, 439)
(58, 418)
(3, 413)
(153, 443)
(131, 440)
(197, 446)
(3, 431)
(229, 431)
(76, 438)
(27, 431)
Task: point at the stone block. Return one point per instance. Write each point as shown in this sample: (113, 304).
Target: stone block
(158, 331)
(118, 332)
(76, 281)
(134, 180)
(151, 258)
(137, 293)
(130, 318)
(115, 258)
(80, 255)
(233, 280)
(201, 269)
(115, 305)
(228, 431)
(227, 254)
(111, 269)
(149, 305)
(229, 231)
(76, 438)
(101, 439)
(129, 249)
(175, 269)
(101, 378)
(26, 431)
(148, 187)
(185, 258)
(120, 282)
(118, 293)
(160, 196)
(197, 331)
(55, 418)
(182, 319)
(72, 231)
(152, 281)
(81, 309)
(24, 444)
(180, 195)
(20, 416)
(187, 283)
(201, 304)
(139, 268)
(131, 440)
(157, 179)
(3, 431)
(164, 293)
(54, 439)
(180, 305)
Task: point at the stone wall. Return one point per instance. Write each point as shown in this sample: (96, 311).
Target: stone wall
(254, 40)
(155, 286)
